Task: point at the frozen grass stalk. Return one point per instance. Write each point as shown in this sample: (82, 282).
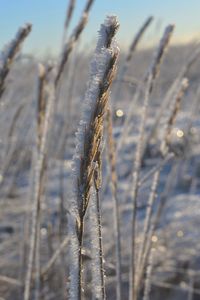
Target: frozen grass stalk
(38, 184)
(147, 285)
(132, 49)
(149, 79)
(41, 106)
(145, 234)
(154, 71)
(7, 56)
(89, 137)
(137, 39)
(148, 228)
(98, 277)
(116, 214)
(167, 99)
(69, 46)
(173, 110)
(69, 14)
(122, 77)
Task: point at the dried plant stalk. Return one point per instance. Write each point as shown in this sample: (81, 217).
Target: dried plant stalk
(69, 14)
(166, 102)
(149, 79)
(147, 249)
(98, 273)
(138, 38)
(154, 71)
(54, 257)
(41, 107)
(116, 214)
(90, 132)
(122, 77)
(131, 51)
(148, 229)
(175, 106)
(147, 286)
(38, 187)
(158, 166)
(7, 57)
(68, 47)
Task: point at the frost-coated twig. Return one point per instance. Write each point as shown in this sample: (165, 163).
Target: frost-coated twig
(68, 47)
(116, 214)
(38, 175)
(7, 56)
(89, 138)
(149, 79)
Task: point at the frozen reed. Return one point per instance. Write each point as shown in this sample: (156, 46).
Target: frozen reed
(10, 52)
(149, 79)
(69, 45)
(89, 136)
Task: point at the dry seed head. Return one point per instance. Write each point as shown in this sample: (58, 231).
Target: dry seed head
(7, 56)
(69, 12)
(68, 47)
(164, 42)
(89, 135)
(138, 37)
(173, 114)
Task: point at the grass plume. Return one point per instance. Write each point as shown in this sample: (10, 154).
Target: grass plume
(7, 56)
(90, 132)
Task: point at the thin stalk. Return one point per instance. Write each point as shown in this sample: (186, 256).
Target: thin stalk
(68, 18)
(89, 138)
(132, 49)
(147, 285)
(146, 230)
(116, 205)
(69, 46)
(136, 41)
(100, 246)
(149, 79)
(7, 57)
(54, 257)
(167, 99)
(38, 184)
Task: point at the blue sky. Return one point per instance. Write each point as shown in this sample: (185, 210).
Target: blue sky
(47, 17)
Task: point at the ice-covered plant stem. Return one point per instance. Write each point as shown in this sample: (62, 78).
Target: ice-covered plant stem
(89, 138)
